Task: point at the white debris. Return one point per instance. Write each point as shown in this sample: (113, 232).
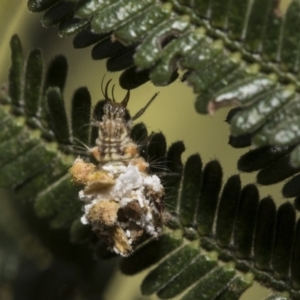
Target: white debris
(131, 191)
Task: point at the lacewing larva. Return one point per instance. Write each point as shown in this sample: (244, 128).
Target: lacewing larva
(122, 201)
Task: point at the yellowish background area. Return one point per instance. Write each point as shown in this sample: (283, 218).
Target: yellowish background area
(172, 112)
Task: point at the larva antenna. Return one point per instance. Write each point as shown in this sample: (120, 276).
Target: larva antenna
(102, 91)
(141, 111)
(106, 90)
(113, 93)
(126, 99)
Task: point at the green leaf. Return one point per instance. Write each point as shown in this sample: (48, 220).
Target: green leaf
(37, 6)
(208, 200)
(264, 233)
(174, 264)
(227, 210)
(59, 122)
(283, 240)
(245, 222)
(190, 189)
(33, 82)
(200, 265)
(59, 12)
(16, 71)
(81, 111)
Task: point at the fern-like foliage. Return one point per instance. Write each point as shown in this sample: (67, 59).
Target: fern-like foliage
(216, 242)
(209, 226)
(244, 52)
(35, 138)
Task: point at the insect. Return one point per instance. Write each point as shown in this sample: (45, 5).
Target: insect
(122, 201)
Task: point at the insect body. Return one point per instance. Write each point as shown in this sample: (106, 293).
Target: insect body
(120, 197)
(114, 142)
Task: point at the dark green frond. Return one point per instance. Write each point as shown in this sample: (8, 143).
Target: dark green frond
(232, 52)
(274, 165)
(81, 111)
(35, 137)
(248, 237)
(16, 71)
(33, 83)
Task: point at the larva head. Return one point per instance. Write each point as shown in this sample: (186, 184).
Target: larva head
(112, 109)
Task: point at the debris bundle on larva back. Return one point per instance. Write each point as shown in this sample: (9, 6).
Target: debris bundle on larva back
(122, 201)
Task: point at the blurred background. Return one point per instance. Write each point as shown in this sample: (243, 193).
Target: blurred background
(172, 113)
